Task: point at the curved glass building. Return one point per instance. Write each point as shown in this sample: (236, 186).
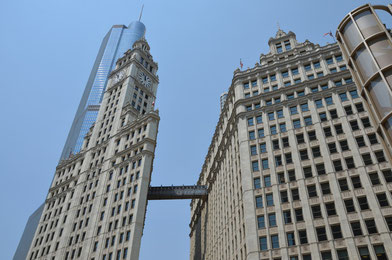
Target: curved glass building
(366, 44)
(117, 41)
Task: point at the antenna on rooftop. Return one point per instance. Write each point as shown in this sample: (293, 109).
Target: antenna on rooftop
(141, 12)
(277, 23)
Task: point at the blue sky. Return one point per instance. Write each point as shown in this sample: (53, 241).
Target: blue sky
(47, 49)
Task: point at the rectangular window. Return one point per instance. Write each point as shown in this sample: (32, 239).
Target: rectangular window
(336, 231)
(363, 203)
(260, 222)
(267, 181)
(328, 101)
(297, 123)
(359, 107)
(356, 228)
(260, 132)
(332, 148)
(354, 94)
(291, 175)
(272, 220)
(300, 138)
(287, 83)
(366, 122)
(348, 110)
(263, 148)
(324, 87)
(304, 155)
(371, 226)
(367, 159)
(285, 74)
(263, 243)
(316, 211)
(264, 163)
(329, 61)
(356, 182)
(252, 135)
(321, 234)
(314, 90)
(343, 184)
(293, 110)
(273, 130)
(323, 117)
(289, 158)
(259, 202)
(273, 77)
(255, 166)
(294, 194)
(303, 239)
(282, 127)
(250, 121)
(308, 172)
(271, 116)
(373, 139)
(253, 150)
(297, 81)
(374, 178)
(316, 65)
(290, 96)
(343, 97)
(301, 93)
(284, 196)
(333, 114)
(338, 129)
(325, 188)
(310, 76)
(350, 163)
(298, 215)
(259, 119)
(285, 142)
(290, 239)
(380, 156)
(327, 131)
(275, 144)
(274, 241)
(316, 152)
(294, 71)
(287, 217)
(349, 204)
(246, 85)
(256, 183)
(312, 135)
(308, 120)
(312, 192)
(382, 200)
(320, 74)
(270, 199)
(254, 83)
(331, 211)
(307, 67)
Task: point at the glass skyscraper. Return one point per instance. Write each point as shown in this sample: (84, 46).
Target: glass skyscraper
(117, 41)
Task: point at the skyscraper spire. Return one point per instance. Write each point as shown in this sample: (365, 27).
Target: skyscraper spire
(141, 13)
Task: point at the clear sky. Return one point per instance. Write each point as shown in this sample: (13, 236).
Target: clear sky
(47, 49)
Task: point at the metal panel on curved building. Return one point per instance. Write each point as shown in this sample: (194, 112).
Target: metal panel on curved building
(367, 46)
(117, 41)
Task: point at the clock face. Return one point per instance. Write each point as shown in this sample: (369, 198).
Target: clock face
(145, 79)
(119, 76)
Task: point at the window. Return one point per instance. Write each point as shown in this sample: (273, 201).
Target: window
(333, 114)
(247, 95)
(255, 166)
(382, 200)
(300, 138)
(256, 183)
(289, 158)
(321, 234)
(338, 58)
(338, 165)
(297, 123)
(319, 103)
(389, 222)
(310, 76)
(295, 194)
(354, 94)
(332, 148)
(326, 255)
(364, 252)
(279, 113)
(308, 172)
(349, 204)
(325, 189)
(260, 132)
(329, 61)
(350, 163)
(312, 135)
(285, 74)
(264, 164)
(266, 90)
(281, 178)
(329, 101)
(252, 135)
(291, 175)
(304, 107)
(284, 196)
(290, 96)
(387, 175)
(263, 243)
(367, 159)
(275, 144)
(259, 202)
(337, 83)
(380, 156)
(312, 192)
(380, 252)
(287, 45)
(285, 142)
(327, 131)
(249, 108)
(250, 121)
(343, 97)
(316, 152)
(366, 122)
(254, 83)
(374, 178)
(308, 120)
(273, 130)
(287, 83)
(316, 65)
(371, 226)
(323, 117)
(359, 107)
(303, 239)
(279, 48)
(287, 217)
(356, 182)
(331, 211)
(349, 110)
(336, 231)
(316, 211)
(253, 150)
(259, 119)
(343, 184)
(282, 127)
(304, 154)
(265, 80)
(356, 228)
(307, 67)
(260, 222)
(270, 200)
(360, 141)
(373, 139)
(271, 220)
(290, 239)
(271, 116)
(320, 74)
(294, 71)
(301, 93)
(338, 129)
(267, 181)
(275, 241)
(324, 87)
(363, 203)
(263, 148)
(342, 254)
(273, 77)
(246, 85)
(293, 110)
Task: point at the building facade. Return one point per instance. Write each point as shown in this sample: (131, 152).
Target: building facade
(295, 169)
(96, 205)
(367, 46)
(115, 43)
